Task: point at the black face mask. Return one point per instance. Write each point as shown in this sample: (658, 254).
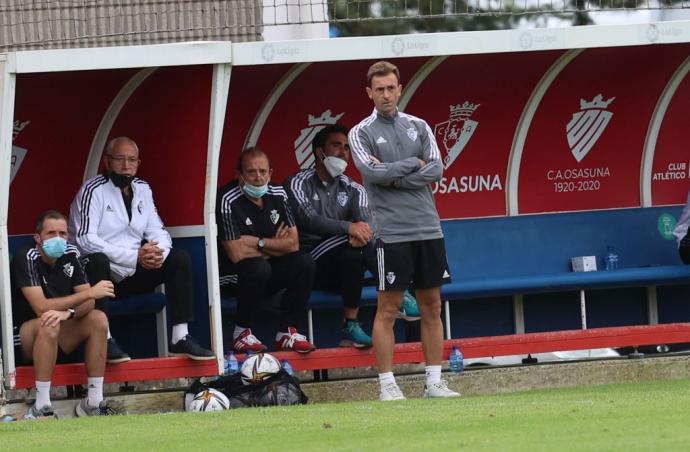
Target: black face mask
(120, 180)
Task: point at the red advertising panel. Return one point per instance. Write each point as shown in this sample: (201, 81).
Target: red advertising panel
(322, 94)
(168, 117)
(584, 147)
(473, 104)
(56, 116)
(671, 168)
(249, 89)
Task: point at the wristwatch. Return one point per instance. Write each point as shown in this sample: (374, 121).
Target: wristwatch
(261, 244)
(72, 313)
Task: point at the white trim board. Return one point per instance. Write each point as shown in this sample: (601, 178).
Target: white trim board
(176, 54)
(459, 43)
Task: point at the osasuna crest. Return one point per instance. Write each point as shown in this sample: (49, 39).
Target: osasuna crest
(390, 277)
(303, 154)
(412, 133)
(587, 125)
(18, 153)
(275, 216)
(342, 198)
(68, 269)
(456, 132)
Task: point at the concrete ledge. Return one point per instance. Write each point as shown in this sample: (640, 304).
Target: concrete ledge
(498, 380)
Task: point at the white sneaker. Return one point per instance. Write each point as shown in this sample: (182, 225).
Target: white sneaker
(439, 389)
(391, 391)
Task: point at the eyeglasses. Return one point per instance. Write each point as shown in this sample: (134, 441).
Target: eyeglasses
(122, 159)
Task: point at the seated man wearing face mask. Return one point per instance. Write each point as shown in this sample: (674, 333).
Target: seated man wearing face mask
(115, 225)
(334, 226)
(53, 307)
(258, 254)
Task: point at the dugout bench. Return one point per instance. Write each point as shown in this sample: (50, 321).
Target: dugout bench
(509, 256)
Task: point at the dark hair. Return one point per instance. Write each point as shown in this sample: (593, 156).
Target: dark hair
(382, 68)
(51, 214)
(320, 138)
(251, 151)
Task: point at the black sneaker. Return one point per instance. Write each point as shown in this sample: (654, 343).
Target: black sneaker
(189, 347)
(115, 354)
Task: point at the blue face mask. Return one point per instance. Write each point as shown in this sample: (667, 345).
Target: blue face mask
(255, 191)
(54, 247)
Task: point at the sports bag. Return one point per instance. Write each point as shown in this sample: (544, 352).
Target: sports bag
(279, 389)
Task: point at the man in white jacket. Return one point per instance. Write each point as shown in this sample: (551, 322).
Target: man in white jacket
(115, 225)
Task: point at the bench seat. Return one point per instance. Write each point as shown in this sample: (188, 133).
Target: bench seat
(147, 303)
(555, 282)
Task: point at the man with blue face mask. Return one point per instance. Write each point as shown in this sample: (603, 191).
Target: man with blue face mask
(258, 254)
(53, 306)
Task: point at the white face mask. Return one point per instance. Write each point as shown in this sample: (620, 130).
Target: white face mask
(334, 165)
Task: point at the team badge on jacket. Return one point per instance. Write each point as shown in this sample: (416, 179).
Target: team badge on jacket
(412, 133)
(275, 216)
(390, 277)
(342, 198)
(68, 269)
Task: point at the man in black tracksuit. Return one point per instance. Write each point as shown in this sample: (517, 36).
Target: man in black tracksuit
(258, 251)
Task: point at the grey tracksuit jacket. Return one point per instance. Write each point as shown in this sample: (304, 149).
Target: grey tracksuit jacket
(399, 188)
(325, 211)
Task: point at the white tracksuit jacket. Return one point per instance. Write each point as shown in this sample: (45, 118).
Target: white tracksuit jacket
(98, 223)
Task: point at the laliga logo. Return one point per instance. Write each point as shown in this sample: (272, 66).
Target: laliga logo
(17, 152)
(456, 132)
(303, 154)
(587, 125)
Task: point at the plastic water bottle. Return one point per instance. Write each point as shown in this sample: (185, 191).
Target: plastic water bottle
(231, 364)
(611, 258)
(455, 360)
(287, 367)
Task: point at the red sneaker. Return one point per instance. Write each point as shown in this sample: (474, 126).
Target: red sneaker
(247, 342)
(293, 341)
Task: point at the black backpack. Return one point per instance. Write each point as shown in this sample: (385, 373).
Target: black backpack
(279, 389)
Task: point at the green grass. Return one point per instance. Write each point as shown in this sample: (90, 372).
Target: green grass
(638, 416)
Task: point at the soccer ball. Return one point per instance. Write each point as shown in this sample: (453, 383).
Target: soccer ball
(259, 367)
(209, 400)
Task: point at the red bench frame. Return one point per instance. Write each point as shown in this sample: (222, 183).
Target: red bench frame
(334, 358)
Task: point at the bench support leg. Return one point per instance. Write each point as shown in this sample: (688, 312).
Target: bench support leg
(310, 325)
(583, 309)
(518, 314)
(446, 307)
(652, 307)
(162, 332)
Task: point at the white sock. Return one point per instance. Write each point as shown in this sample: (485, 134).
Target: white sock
(238, 330)
(179, 332)
(433, 374)
(110, 336)
(385, 378)
(42, 393)
(95, 390)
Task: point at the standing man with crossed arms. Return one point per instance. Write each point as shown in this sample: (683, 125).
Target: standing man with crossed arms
(398, 158)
